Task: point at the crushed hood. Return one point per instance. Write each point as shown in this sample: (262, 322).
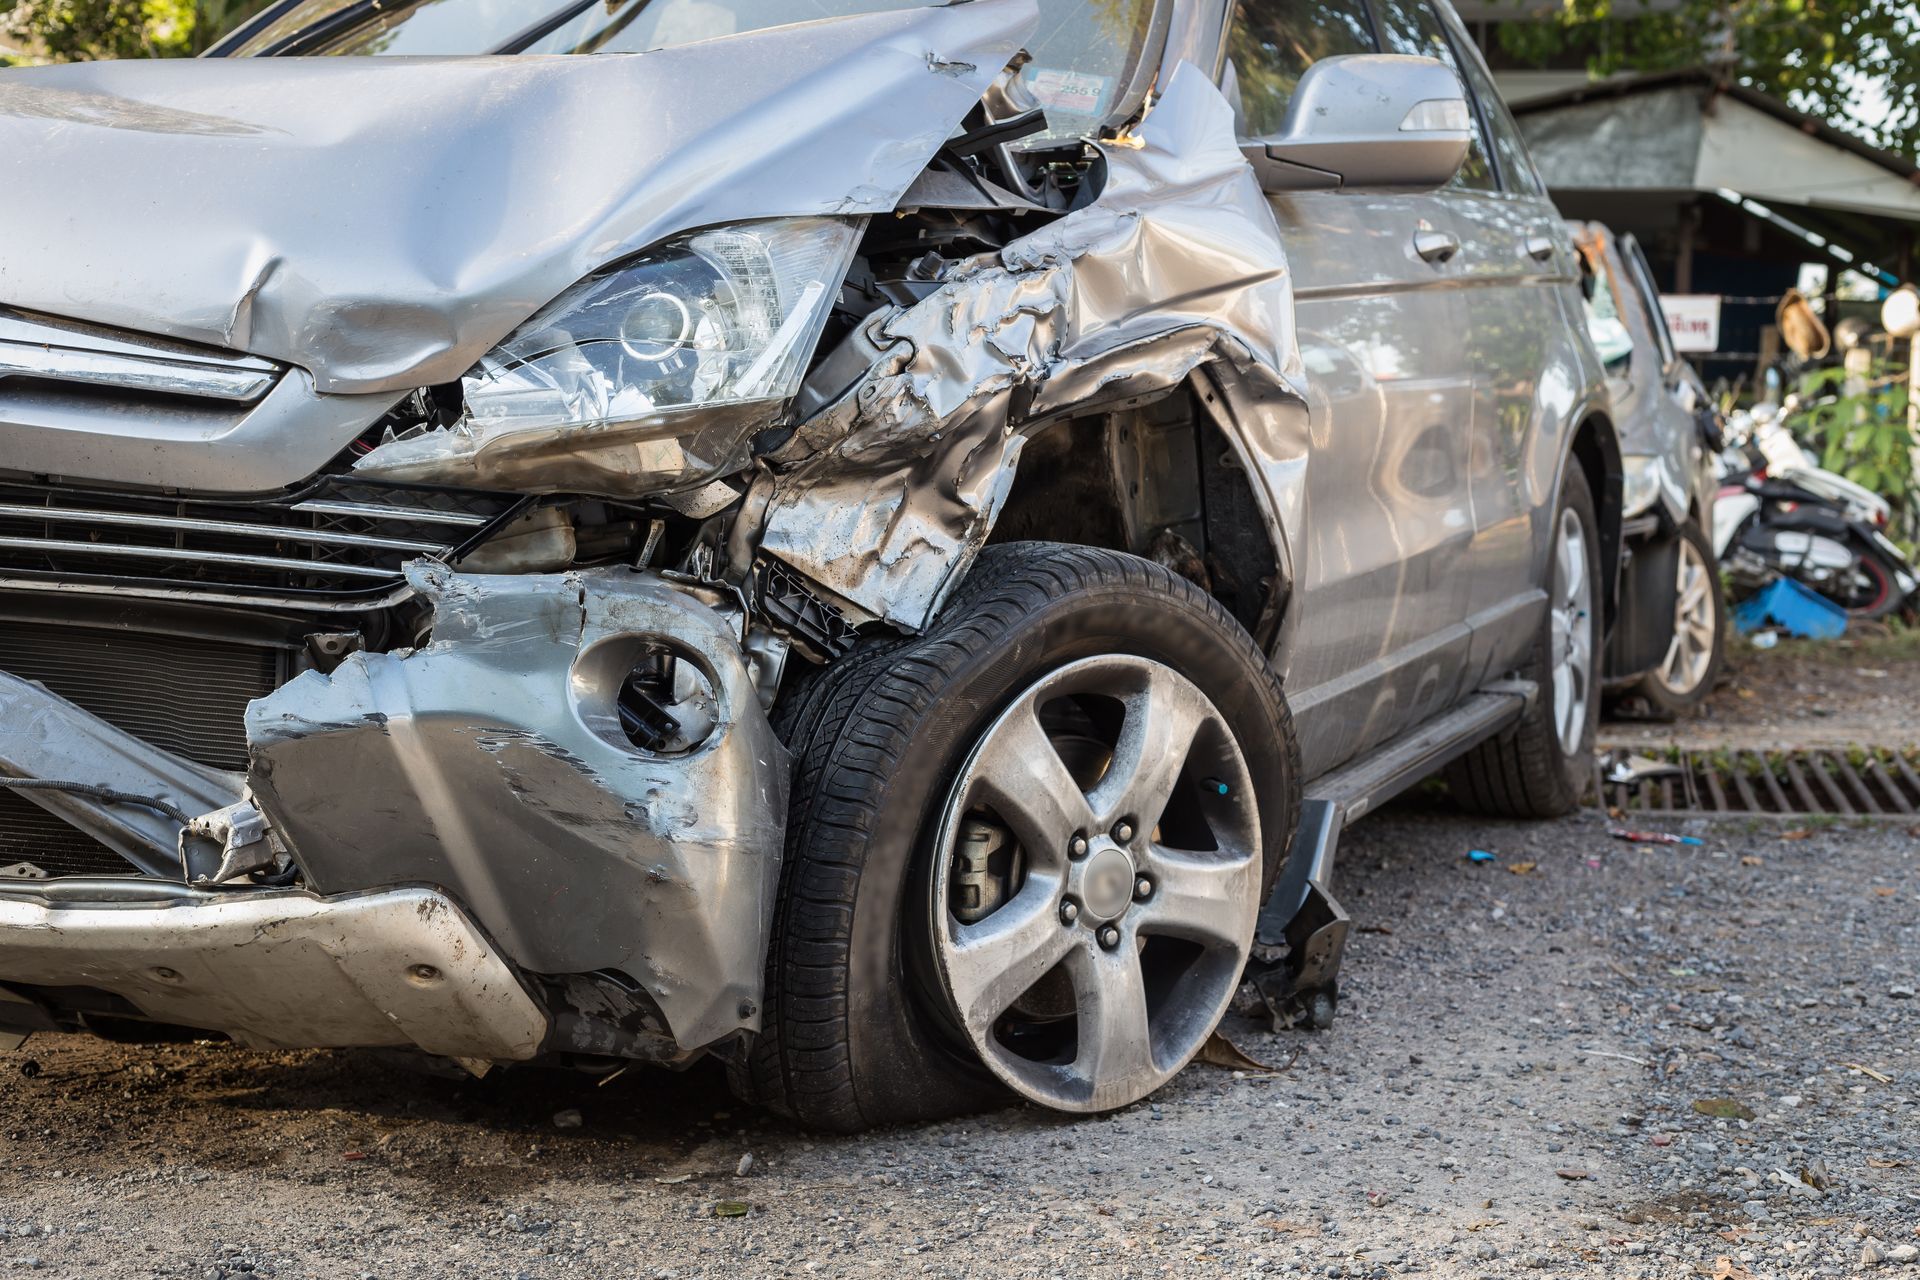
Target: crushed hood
(382, 222)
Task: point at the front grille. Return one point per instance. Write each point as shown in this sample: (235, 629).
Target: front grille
(335, 542)
(35, 845)
(184, 694)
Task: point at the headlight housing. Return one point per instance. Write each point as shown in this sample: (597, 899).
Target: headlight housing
(649, 376)
(1639, 484)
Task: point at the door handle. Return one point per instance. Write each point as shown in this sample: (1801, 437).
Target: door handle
(1539, 248)
(1436, 246)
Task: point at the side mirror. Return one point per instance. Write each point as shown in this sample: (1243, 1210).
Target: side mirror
(1378, 121)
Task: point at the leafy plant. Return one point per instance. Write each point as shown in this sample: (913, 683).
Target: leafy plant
(1864, 437)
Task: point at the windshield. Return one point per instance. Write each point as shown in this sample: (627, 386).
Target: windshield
(1085, 52)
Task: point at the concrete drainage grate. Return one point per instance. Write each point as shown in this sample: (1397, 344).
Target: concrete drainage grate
(1852, 781)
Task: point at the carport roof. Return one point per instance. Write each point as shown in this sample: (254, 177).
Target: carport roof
(1684, 132)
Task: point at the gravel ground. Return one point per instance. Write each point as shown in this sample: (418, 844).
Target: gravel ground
(1514, 1084)
(1813, 693)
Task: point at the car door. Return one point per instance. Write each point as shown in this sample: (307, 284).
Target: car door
(1515, 267)
(1381, 589)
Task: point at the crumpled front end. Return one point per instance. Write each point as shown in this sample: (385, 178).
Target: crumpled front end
(488, 847)
(386, 703)
(497, 763)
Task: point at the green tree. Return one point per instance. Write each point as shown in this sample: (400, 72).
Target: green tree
(1854, 63)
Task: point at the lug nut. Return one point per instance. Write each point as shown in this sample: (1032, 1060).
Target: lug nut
(1109, 937)
(1069, 911)
(1122, 831)
(1142, 889)
(1077, 847)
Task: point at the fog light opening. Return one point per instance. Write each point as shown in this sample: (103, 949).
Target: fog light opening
(667, 703)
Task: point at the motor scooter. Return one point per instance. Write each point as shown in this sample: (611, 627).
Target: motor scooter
(1779, 514)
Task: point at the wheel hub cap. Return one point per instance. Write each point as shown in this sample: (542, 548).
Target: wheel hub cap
(1105, 883)
(1131, 884)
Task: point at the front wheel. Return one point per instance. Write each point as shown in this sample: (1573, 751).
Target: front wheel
(1540, 767)
(1026, 851)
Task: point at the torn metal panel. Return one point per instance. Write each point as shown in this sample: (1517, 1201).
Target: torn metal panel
(493, 763)
(48, 738)
(383, 222)
(279, 969)
(885, 495)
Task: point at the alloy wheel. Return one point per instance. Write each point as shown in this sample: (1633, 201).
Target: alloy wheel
(1095, 884)
(1690, 655)
(1572, 631)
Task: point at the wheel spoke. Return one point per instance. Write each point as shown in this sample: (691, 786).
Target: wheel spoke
(991, 964)
(1021, 777)
(1200, 897)
(1110, 1003)
(1157, 732)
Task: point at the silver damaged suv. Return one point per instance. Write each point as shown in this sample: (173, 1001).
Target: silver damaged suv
(878, 541)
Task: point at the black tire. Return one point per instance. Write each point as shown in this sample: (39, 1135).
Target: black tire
(1884, 596)
(1667, 702)
(1527, 772)
(850, 1039)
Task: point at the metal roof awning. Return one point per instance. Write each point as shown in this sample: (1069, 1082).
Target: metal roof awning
(1684, 134)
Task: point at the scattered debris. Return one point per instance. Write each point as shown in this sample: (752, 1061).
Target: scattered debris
(1219, 1051)
(1624, 769)
(1749, 860)
(1603, 1053)
(730, 1209)
(1798, 833)
(1573, 1175)
(745, 1166)
(1652, 837)
(674, 1179)
(1480, 856)
(1523, 868)
(1374, 928)
(1723, 1108)
(1869, 1072)
(568, 1119)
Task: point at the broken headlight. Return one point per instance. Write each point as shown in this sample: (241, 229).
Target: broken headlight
(650, 375)
(715, 317)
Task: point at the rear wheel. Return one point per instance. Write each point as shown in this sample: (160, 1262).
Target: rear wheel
(1686, 675)
(1866, 590)
(1540, 768)
(1026, 850)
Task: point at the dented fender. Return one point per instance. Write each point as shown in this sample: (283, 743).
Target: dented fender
(887, 493)
(491, 763)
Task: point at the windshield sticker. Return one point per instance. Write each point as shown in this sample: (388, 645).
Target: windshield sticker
(1070, 91)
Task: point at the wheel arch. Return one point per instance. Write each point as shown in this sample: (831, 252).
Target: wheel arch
(1594, 447)
(1162, 476)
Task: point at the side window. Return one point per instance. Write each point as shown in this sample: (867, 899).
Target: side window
(1611, 337)
(1650, 298)
(1272, 44)
(1516, 166)
(1410, 26)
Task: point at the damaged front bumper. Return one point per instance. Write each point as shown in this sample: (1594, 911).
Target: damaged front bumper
(481, 842)
(274, 970)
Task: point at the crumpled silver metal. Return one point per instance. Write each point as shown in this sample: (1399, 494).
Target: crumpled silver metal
(383, 222)
(49, 739)
(491, 763)
(885, 495)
